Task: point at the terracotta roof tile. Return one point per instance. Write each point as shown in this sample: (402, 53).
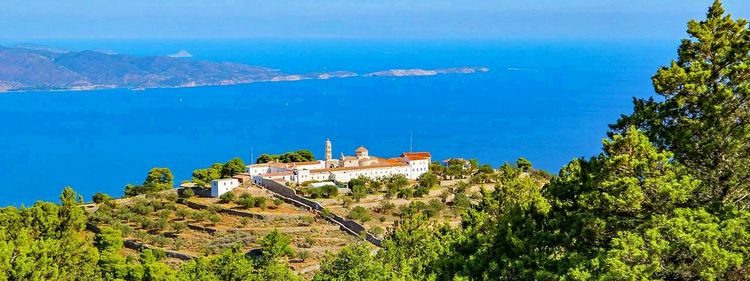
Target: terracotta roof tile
(416, 155)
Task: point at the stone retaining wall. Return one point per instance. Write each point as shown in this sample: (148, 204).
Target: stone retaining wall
(203, 192)
(140, 246)
(202, 228)
(238, 213)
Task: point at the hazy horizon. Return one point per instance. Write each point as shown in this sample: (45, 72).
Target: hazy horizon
(394, 19)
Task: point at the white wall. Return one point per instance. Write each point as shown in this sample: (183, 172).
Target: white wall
(372, 173)
(274, 169)
(418, 167)
(319, 165)
(256, 170)
(219, 187)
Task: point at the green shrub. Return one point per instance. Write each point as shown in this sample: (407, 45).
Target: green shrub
(142, 208)
(244, 221)
(329, 191)
(277, 202)
(428, 180)
(421, 191)
(375, 186)
(346, 202)
(359, 213)
(140, 234)
(434, 207)
(309, 241)
(412, 208)
(461, 202)
(325, 213)
(227, 197)
(303, 255)
(214, 218)
(377, 230)
(161, 224)
(246, 202)
(359, 181)
(145, 223)
(179, 226)
(198, 216)
(212, 209)
(307, 220)
(406, 193)
(126, 229)
(178, 243)
(159, 254)
(183, 213)
(99, 198)
(461, 187)
(188, 192)
(170, 206)
(386, 207)
(164, 214)
(171, 197)
(261, 202)
(444, 195)
(359, 192)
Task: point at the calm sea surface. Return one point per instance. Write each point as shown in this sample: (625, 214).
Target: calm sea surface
(547, 101)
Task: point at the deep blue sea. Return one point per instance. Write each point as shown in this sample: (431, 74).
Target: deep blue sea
(548, 101)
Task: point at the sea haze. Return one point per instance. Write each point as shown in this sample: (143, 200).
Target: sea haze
(547, 101)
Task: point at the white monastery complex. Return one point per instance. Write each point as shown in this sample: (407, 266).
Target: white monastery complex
(410, 164)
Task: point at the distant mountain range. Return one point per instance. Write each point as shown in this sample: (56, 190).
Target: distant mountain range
(34, 67)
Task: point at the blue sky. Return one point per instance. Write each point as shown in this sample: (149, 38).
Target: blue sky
(547, 19)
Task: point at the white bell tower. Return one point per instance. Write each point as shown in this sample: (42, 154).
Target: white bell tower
(329, 150)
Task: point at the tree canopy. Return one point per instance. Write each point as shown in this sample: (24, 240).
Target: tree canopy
(203, 177)
(704, 114)
(157, 179)
(302, 155)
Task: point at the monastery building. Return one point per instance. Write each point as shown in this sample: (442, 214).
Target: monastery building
(410, 164)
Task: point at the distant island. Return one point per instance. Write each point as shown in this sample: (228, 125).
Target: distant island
(39, 68)
(427, 72)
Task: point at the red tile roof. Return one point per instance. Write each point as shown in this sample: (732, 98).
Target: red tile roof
(416, 155)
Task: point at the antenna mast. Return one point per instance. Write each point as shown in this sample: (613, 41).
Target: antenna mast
(411, 141)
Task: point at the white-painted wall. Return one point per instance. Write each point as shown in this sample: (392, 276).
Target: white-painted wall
(372, 173)
(255, 170)
(221, 186)
(418, 167)
(274, 169)
(319, 165)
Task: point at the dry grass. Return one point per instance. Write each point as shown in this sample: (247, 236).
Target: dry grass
(307, 232)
